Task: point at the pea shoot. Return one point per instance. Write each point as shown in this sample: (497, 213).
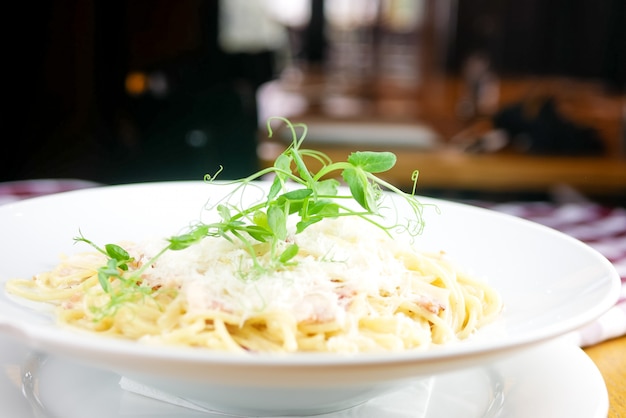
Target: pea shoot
(297, 193)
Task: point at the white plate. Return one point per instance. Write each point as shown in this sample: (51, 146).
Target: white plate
(551, 380)
(551, 284)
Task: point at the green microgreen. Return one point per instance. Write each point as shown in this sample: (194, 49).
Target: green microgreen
(297, 193)
(113, 280)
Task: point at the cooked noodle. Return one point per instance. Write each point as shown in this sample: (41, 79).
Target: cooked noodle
(351, 288)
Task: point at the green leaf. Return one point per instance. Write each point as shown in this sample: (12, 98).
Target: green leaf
(116, 252)
(224, 212)
(361, 189)
(358, 185)
(302, 225)
(277, 221)
(276, 187)
(180, 242)
(327, 187)
(103, 279)
(289, 253)
(298, 194)
(259, 233)
(283, 162)
(323, 208)
(293, 200)
(373, 162)
(260, 218)
(295, 206)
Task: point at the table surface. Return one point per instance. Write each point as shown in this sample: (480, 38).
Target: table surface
(610, 358)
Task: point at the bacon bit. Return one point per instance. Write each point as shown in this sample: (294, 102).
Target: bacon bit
(315, 319)
(431, 305)
(71, 302)
(345, 293)
(218, 306)
(67, 305)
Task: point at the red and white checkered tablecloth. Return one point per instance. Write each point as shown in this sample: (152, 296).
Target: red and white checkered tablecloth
(601, 227)
(17, 190)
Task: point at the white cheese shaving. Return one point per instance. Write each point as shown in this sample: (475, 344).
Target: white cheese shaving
(337, 260)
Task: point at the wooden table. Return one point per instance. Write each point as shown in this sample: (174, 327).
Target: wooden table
(610, 357)
(447, 168)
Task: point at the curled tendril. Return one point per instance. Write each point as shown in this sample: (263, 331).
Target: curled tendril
(209, 178)
(296, 140)
(414, 177)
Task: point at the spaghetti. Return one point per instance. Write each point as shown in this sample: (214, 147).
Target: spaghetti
(349, 288)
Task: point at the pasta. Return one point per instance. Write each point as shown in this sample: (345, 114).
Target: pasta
(350, 288)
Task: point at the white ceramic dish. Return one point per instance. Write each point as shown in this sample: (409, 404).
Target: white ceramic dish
(551, 284)
(556, 379)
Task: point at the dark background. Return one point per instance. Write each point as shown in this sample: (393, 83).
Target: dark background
(67, 113)
(581, 38)
(70, 115)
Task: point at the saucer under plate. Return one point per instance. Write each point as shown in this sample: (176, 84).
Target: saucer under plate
(553, 379)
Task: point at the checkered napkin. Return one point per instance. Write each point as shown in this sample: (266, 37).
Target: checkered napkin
(603, 228)
(17, 190)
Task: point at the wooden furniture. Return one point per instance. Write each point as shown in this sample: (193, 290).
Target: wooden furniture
(453, 170)
(610, 357)
(447, 166)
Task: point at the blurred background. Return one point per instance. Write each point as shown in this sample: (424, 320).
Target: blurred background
(496, 98)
